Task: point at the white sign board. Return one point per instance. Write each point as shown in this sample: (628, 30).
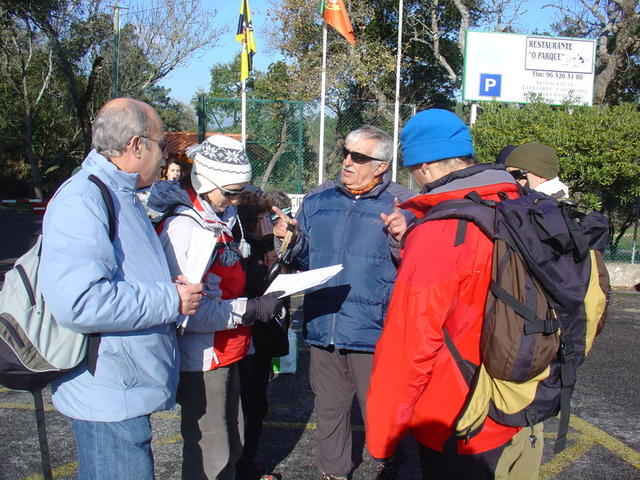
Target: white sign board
(296, 201)
(509, 68)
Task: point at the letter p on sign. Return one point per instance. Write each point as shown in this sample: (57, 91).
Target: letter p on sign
(490, 84)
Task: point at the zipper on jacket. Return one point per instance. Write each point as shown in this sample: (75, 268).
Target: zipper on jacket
(332, 337)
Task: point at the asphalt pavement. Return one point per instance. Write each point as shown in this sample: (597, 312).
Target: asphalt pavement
(603, 443)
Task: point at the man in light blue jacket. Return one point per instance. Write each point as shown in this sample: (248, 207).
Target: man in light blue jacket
(121, 290)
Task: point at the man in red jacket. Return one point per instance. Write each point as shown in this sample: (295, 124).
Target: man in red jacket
(442, 282)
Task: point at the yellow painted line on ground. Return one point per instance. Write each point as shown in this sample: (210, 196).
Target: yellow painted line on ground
(63, 471)
(615, 446)
(170, 415)
(304, 426)
(24, 406)
(168, 439)
(565, 458)
(2, 389)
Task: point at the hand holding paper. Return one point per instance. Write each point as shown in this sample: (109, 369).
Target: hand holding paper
(291, 283)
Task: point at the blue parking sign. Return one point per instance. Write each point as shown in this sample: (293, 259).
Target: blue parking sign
(490, 84)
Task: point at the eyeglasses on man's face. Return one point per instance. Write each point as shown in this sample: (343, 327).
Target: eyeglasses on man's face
(357, 157)
(161, 143)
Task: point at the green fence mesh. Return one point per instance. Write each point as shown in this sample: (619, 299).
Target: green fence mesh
(283, 137)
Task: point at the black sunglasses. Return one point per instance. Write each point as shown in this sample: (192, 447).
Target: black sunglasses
(357, 157)
(229, 193)
(518, 174)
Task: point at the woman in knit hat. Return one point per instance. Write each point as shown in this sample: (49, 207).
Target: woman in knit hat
(214, 339)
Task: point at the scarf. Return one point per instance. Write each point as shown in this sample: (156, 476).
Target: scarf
(368, 188)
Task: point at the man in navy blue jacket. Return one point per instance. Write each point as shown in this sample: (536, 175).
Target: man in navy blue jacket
(340, 222)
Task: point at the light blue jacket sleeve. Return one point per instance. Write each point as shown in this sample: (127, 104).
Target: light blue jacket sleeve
(92, 285)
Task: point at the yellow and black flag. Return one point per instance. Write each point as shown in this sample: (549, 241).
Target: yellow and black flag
(244, 35)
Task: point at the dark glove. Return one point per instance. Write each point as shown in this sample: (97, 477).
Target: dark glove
(263, 308)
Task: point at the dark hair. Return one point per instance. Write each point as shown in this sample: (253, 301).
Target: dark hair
(165, 169)
(502, 155)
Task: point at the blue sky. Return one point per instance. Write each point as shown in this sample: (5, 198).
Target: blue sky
(184, 81)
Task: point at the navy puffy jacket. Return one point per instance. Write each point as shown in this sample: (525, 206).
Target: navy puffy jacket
(337, 228)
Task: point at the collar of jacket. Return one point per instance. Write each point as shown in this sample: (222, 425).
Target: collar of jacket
(377, 190)
(109, 173)
(486, 179)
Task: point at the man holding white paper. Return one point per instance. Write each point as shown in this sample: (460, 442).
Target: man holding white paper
(340, 223)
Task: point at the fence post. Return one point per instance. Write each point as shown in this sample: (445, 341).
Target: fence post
(633, 245)
(299, 146)
(201, 119)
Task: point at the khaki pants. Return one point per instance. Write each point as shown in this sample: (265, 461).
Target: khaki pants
(515, 460)
(520, 460)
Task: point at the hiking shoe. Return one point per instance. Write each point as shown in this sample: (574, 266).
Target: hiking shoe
(326, 476)
(387, 471)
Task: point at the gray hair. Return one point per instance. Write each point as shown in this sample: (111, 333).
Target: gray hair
(384, 149)
(114, 126)
(458, 163)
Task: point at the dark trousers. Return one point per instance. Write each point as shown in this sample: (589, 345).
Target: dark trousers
(211, 423)
(449, 466)
(336, 376)
(255, 371)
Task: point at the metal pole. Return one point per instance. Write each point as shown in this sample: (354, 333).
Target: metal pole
(474, 113)
(244, 113)
(116, 49)
(201, 119)
(396, 117)
(323, 91)
(299, 149)
(634, 244)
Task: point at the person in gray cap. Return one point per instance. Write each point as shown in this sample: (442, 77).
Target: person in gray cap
(535, 166)
(443, 281)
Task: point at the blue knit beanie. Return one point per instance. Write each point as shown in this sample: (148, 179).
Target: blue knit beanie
(433, 135)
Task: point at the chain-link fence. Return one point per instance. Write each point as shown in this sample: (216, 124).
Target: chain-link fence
(283, 136)
(627, 249)
(283, 143)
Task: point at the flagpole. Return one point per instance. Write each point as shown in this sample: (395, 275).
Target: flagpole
(323, 88)
(396, 117)
(243, 103)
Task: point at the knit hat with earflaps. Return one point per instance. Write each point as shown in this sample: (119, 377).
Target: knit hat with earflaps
(217, 162)
(536, 158)
(434, 135)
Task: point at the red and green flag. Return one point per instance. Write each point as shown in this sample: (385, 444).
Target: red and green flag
(335, 14)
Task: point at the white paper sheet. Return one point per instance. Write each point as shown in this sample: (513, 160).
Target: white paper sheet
(292, 283)
(200, 249)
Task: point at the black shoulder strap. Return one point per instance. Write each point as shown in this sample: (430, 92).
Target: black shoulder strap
(472, 208)
(94, 338)
(108, 201)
